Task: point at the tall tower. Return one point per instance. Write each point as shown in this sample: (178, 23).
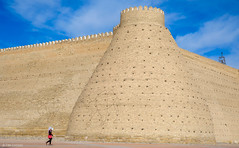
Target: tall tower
(222, 59)
(136, 93)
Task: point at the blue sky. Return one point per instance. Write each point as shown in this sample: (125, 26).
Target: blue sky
(205, 27)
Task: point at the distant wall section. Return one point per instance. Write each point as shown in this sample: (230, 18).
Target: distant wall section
(218, 85)
(39, 85)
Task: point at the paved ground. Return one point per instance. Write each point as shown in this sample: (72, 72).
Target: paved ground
(16, 143)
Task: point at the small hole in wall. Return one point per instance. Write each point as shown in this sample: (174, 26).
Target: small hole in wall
(127, 31)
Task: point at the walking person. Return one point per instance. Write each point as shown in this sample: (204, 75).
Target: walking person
(50, 135)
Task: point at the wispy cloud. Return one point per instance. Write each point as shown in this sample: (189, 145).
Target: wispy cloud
(216, 33)
(171, 18)
(38, 12)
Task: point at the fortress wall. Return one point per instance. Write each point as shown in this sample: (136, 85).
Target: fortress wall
(40, 85)
(139, 92)
(219, 85)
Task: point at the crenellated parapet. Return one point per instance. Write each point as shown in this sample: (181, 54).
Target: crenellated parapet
(155, 9)
(142, 15)
(82, 38)
(115, 28)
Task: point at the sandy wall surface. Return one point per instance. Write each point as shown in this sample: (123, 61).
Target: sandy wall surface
(39, 86)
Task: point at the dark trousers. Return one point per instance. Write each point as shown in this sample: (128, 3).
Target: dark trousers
(49, 140)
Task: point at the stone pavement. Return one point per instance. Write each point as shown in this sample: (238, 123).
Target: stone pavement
(11, 143)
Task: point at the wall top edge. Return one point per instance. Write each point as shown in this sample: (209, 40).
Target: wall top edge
(145, 8)
(81, 38)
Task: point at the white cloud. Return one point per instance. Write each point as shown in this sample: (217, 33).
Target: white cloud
(38, 12)
(171, 18)
(220, 33)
